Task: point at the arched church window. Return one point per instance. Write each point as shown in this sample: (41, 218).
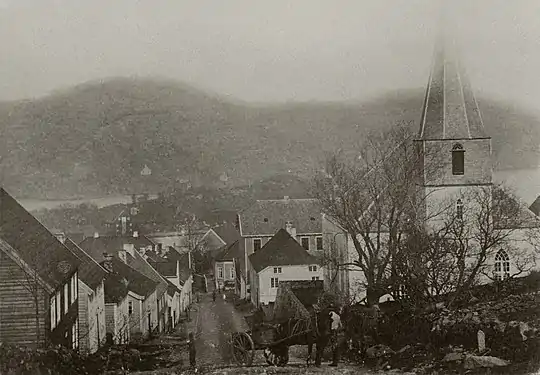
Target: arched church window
(458, 159)
(459, 209)
(502, 265)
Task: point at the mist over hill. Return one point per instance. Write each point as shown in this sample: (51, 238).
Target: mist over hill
(94, 139)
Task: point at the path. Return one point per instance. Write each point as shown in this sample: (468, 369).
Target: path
(215, 322)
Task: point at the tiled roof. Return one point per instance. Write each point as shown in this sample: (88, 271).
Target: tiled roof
(229, 252)
(38, 247)
(266, 217)
(134, 280)
(90, 272)
(281, 250)
(450, 108)
(140, 264)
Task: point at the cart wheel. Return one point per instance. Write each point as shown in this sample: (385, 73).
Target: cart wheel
(243, 348)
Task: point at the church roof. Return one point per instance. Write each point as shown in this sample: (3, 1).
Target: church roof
(450, 107)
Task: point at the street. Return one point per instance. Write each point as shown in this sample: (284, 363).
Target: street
(215, 322)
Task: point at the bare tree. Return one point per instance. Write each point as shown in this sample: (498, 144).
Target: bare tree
(373, 199)
(193, 231)
(452, 255)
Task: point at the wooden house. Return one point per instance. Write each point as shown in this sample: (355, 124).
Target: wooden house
(38, 282)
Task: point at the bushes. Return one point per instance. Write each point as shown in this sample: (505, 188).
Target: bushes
(59, 360)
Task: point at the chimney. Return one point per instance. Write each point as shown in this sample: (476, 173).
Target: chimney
(129, 247)
(289, 228)
(96, 235)
(122, 255)
(107, 263)
(135, 234)
(61, 237)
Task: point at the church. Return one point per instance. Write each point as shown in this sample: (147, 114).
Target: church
(456, 162)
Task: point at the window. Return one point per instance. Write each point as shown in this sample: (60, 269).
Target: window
(53, 312)
(58, 306)
(274, 282)
(220, 272)
(75, 335)
(459, 209)
(66, 298)
(458, 159)
(319, 243)
(231, 274)
(502, 265)
(130, 307)
(74, 286)
(257, 244)
(315, 278)
(277, 269)
(401, 292)
(305, 242)
(312, 268)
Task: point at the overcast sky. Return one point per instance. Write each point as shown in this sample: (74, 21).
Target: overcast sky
(267, 50)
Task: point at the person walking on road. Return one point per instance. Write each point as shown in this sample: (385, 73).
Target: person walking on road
(214, 295)
(192, 350)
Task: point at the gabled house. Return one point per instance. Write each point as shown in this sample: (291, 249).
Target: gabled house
(92, 330)
(126, 248)
(282, 258)
(183, 279)
(141, 300)
(116, 305)
(225, 267)
(38, 282)
(258, 223)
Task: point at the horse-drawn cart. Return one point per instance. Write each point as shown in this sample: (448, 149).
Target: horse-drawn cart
(293, 323)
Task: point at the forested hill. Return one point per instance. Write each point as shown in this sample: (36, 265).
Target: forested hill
(94, 139)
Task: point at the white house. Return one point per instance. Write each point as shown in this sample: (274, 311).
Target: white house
(282, 258)
(91, 300)
(258, 223)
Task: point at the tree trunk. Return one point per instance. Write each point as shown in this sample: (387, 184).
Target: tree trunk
(372, 296)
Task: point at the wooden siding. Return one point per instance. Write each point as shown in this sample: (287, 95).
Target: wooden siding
(17, 307)
(84, 324)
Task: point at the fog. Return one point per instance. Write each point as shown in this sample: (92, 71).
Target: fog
(268, 50)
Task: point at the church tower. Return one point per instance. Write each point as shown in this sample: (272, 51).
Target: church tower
(455, 148)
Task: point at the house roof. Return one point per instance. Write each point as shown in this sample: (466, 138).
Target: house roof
(183, 260)
(509, 204)
(90, 272)
(450, 108)
(136, 281)
(281, 250)
(228, 252)
(115, 288)
(227, 232)
(535, 207)
(171, 289)
(36, 245)
(266, 217)
(166, 268)
(96, 247)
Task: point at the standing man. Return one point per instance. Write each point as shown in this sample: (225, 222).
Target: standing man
(192, 351)
(214, 295)
(336, 329)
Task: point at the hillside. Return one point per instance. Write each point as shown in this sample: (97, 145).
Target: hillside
(95, 138)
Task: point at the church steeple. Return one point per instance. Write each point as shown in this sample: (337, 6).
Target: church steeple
(450, 107)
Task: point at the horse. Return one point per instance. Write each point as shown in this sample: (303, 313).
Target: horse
(313, 331)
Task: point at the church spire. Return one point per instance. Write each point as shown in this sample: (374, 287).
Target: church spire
(450, 108)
